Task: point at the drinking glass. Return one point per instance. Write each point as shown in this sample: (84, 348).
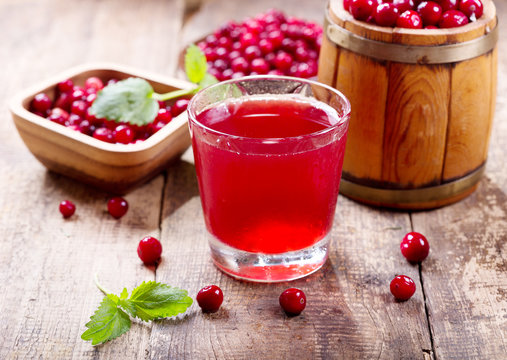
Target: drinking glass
(268, 154)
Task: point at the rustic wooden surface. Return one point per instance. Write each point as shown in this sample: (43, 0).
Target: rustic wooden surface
(47, 264)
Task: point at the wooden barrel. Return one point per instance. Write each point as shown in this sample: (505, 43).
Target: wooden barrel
(422, 107)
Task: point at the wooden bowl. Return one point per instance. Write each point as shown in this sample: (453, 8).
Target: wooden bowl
(116, 168)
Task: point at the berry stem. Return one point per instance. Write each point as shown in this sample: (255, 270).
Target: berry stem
(101, 288)
(174, 94)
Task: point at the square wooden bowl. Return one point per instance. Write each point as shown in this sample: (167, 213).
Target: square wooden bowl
(116, 168)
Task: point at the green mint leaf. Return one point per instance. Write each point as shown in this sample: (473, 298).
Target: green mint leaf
(195, 64)
(207, 81)
(152, 300)
(129, 100)
(124, 294)
(107, 323)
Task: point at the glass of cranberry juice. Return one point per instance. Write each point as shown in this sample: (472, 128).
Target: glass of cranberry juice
(268, 154)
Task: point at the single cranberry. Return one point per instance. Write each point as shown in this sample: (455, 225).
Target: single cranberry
(220, 64)
(248, 39)
(117, 207)
(149, 250)
(414, 247)
(302, 54)
(386, 14)
(94, 82)
(210, 54)
(404, 5)
(240, 64)
(41, 103)
(65, 86)
(179, 106)
(266, 46)
(260, 66)
(289, 45)
(63, 101)
(77, 94)
(74, 119)
(227, 74)
(79, 107)
(59, 116)
(410, 19)
(362, 9)
(67, 208)
(402, 287)
(430, 12)
(164, 116)
(104, 134)
(91, 98)
(276, 72)
(85, 127)
(252, 52)
(221, 52)
(452, 19)
(123, 134)
(283, 60)
(448, 5)
(237, 74)
(293, 301)
(211, 40)
(210, 298)
(276, 38)
(225, 42)
(471, 8)
(234, 55)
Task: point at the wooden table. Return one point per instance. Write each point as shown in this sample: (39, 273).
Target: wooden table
(459, 310)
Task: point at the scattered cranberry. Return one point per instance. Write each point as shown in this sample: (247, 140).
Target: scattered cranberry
(117, 207)
(448, 5)
(210, 298)
(293, 301)
(65, 86)
(104, 134)
(67, 208)
(149, 250)
(414, 247)
(179, 106)
(402, 287)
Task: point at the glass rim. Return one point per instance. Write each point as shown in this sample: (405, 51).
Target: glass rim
(347, 108)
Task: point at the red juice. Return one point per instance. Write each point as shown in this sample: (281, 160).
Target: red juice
(269, 170)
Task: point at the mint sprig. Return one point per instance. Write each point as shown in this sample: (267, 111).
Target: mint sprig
(149, 301)
(133, 100)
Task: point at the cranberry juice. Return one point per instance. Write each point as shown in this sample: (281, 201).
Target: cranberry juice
(269, 171)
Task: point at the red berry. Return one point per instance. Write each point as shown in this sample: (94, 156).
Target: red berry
(260, 66)
(448, 5)
(59, 116)
(67, 208)
(123, 134)
(386, 14)
(210, 298)
(179, 106)
(65, 86)
(117, 207)
(164, 116)
(63, 101)
(452, 19)
(77, 94)
(240, 64)
(94, 82)
(410, 20)
(430, 12)
(362, 9)
(252, 52)
(283, 60)
(404, 5)
(402, 287)
(149, 250)
(471, 8)
(41, 103)
(293, 301)
(79, 107)
(415, 247)
(104, 134)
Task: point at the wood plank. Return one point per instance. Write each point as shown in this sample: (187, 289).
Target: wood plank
(464, 276)
(47, 263)
(350, 312)
(416, 124)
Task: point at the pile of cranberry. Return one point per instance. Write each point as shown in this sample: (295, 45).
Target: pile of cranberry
(71, 108)
(415, 14)
(269, 43)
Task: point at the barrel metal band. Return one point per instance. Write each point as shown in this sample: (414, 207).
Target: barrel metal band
(411, 196)
(410, 54)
